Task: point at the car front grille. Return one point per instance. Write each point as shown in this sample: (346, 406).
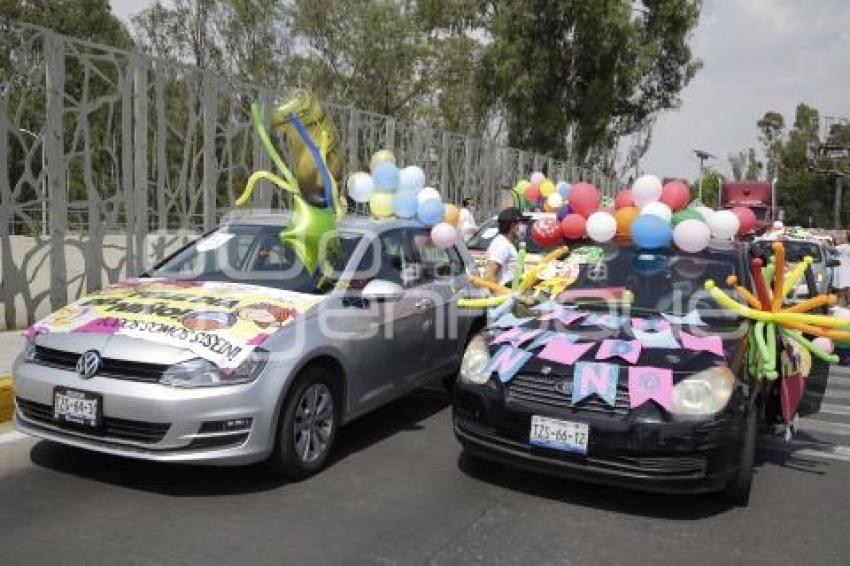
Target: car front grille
(540, 389)
(118, 429)
(111, 367)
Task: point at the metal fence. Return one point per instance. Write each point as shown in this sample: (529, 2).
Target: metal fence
(98, 143)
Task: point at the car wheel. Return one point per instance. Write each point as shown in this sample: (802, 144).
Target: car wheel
(737, 491)
(307, 426)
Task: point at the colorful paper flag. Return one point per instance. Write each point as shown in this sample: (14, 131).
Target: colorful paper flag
(650, 324)
(565, 315)
(506, 362)
(690, 319)
(525, 337)
(508, 320)
(711, 344)
(592, 377)
(629, 350)
(664, 339)
(650, 384)
(610, 321)
(507, 336)
(562, 351)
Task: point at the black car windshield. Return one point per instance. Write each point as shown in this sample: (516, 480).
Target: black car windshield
(795, 250)
(255, 255)
(481, 239)
(659, 280)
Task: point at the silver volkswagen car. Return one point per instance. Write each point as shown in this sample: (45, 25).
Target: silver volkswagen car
(231, 352)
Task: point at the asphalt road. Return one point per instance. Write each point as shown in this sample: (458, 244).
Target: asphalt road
(398, 493)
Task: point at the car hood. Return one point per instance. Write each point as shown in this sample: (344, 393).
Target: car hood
(163, 320)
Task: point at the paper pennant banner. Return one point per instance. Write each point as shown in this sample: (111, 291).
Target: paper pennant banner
(629, 350)
(508, 320)
(690, 319)
(506, 362)
(650, 384)
(663, 339)
(525, 337)
(591, 377)
(562, 351)
(711, 344)
(610, 321)
(507, 336)
(542, 340)
(565, 315)
(548, 306)
(650, 324)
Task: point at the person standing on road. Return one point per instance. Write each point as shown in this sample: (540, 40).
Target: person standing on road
(842, 272)
(468, 227)
(502, 252)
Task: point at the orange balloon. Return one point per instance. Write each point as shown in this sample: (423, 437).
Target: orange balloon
(625, 216)
(451, 214)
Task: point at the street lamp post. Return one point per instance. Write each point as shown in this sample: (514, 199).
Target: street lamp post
(43, 180)
(702, 155)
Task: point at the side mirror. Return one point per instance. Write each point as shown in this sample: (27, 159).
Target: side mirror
(832, 262)
(382, 291)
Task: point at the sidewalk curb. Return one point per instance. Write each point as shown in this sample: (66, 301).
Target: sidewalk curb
(6, 396)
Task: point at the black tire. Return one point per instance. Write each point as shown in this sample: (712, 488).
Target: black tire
(306, 426)
(738, 489)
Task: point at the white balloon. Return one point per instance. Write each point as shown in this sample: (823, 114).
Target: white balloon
(658, 209)
(537, 178)
(601, 226)
(705, 211)
(428, 193)
(360, 186)
(411, 178)
(555, 201)
(646, 189)
(723, 224)
(691, 235)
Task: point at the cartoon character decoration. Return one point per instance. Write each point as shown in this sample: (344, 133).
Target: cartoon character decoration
(266, 315)
(208, 320)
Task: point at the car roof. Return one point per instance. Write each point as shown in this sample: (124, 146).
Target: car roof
(349, 223)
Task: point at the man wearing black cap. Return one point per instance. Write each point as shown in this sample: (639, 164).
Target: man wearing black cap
(502, 253)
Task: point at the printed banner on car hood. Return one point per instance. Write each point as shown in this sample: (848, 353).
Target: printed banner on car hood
(219, 321)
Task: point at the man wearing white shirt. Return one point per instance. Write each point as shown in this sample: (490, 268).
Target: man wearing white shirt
(467, 224)
(502, 252)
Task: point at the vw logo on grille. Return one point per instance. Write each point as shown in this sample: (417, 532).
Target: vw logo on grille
(88, 364)
(563, 387)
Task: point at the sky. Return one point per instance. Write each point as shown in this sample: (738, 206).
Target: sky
(758, 55)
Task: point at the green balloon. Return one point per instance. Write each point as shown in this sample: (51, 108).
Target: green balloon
(307, 233)
(686, 214)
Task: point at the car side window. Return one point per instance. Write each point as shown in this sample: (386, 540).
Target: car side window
(388, 257)
(435, 262)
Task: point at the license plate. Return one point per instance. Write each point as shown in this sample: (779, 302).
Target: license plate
(79, 407)
(566, 436)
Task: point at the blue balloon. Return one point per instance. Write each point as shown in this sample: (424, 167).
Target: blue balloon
(405, 204)
(564, 188)
(431, 211)
(562, 212)
(385, 176)
(651, 232)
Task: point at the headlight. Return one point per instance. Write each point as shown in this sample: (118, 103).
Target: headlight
(199, 372)
(475, 359)
(704, 393)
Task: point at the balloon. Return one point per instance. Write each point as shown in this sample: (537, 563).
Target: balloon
(675, 194)
(601, 226)
(555, 201)
(646, 189)
(382, 156)
(573, 226)
(564, 189)
(625, 217)
(428, 193)
(691, 235)
(659, 209)
(746, 218)
(411, 178)
(537, 178)
(705, 212)
(360, 186)
(841, 312)
(623, 199)
(381, 204)
(687, 214)
(824, 344)
(547, 188)
(519, 188)
(308, 230)
(546, 232)
(532, 193)
(443, 235)
(584, 199)
(562, 212)
(431, 211)
(651, 232)
(405, 204)
(451, 215)
(386, 176)
(723, 224)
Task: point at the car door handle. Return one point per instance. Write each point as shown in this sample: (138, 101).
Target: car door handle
(424, 304)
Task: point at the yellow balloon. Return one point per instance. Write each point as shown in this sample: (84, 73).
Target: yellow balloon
(381, 156)
(381, 204)
(451, 214)
(547, 187)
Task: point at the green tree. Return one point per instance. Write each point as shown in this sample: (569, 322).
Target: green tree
(771, 129)
(91, 20)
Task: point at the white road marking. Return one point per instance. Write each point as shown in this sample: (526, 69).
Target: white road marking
(837, 394)
(12, 436)
(807, 449)
(832, 409)
(841, 429)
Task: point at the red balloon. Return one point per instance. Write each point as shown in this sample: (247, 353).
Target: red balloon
(623, 199)
(584, 199)
(573, 226)
(546, 232)
(746, 218)
(676, 195)
(532, 193)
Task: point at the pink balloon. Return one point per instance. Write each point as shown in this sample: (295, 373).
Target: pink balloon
(623, 199)
(676, 195)
(746, 218)
(584, 199)
(573, 226)
(443, 235)
(824, 344)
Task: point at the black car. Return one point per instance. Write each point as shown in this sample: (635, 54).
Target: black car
(704, 441)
